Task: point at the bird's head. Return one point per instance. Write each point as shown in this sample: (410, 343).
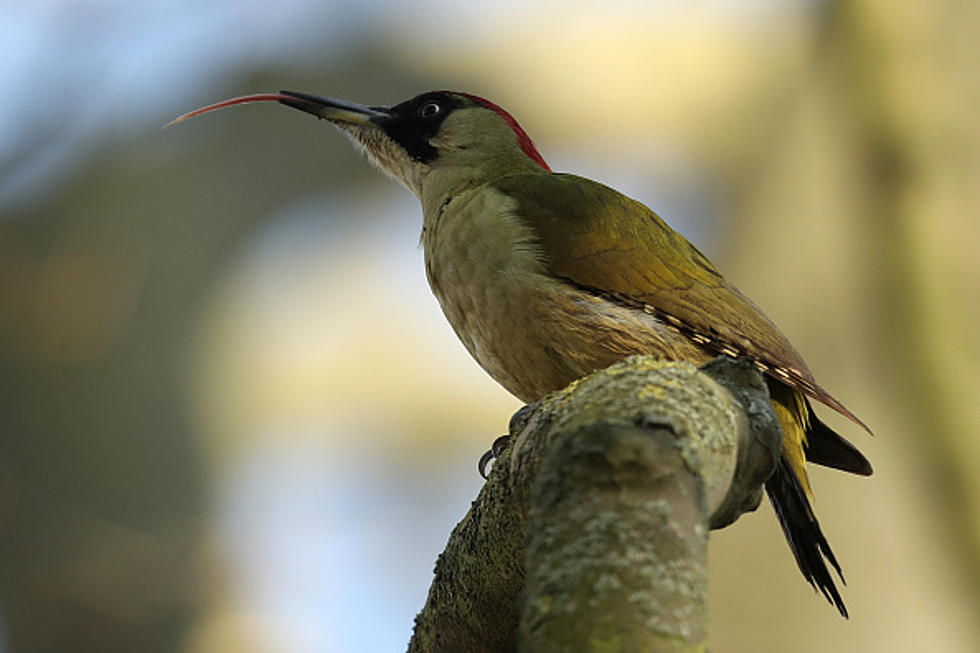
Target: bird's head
(436, 142)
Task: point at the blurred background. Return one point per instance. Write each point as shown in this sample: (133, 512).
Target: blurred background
(232, 417)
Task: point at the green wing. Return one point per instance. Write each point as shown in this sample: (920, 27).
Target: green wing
(607, 243)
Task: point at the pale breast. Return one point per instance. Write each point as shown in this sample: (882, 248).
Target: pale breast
(532, 333)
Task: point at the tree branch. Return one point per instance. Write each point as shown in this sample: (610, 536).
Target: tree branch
(591, 533)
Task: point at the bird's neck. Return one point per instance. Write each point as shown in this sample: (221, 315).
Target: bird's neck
(441, 185)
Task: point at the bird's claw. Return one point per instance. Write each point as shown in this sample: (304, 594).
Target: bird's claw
(496, 450)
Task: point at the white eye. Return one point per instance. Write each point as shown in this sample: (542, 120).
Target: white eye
(430, 109)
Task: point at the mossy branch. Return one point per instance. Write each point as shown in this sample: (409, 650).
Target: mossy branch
(591, 532)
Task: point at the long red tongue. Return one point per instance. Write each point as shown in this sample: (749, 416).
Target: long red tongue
(244, 99)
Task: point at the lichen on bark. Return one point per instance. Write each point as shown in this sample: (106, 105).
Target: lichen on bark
(591, 533)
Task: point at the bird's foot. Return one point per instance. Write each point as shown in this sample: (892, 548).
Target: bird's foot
(517, 423)
(496, 449)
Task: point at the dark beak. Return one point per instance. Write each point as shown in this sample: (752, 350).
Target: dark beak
(336, 111)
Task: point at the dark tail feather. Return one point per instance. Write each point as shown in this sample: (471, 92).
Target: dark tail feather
(803, 533)
(825, 447)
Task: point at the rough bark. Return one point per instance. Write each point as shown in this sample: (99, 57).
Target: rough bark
(591, 532)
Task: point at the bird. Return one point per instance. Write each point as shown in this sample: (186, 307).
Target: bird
(546, 277)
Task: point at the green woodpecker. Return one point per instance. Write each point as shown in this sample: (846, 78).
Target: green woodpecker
(546, 277)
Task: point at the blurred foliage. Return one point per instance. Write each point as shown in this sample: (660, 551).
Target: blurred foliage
(103, 490)
(847, 149)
